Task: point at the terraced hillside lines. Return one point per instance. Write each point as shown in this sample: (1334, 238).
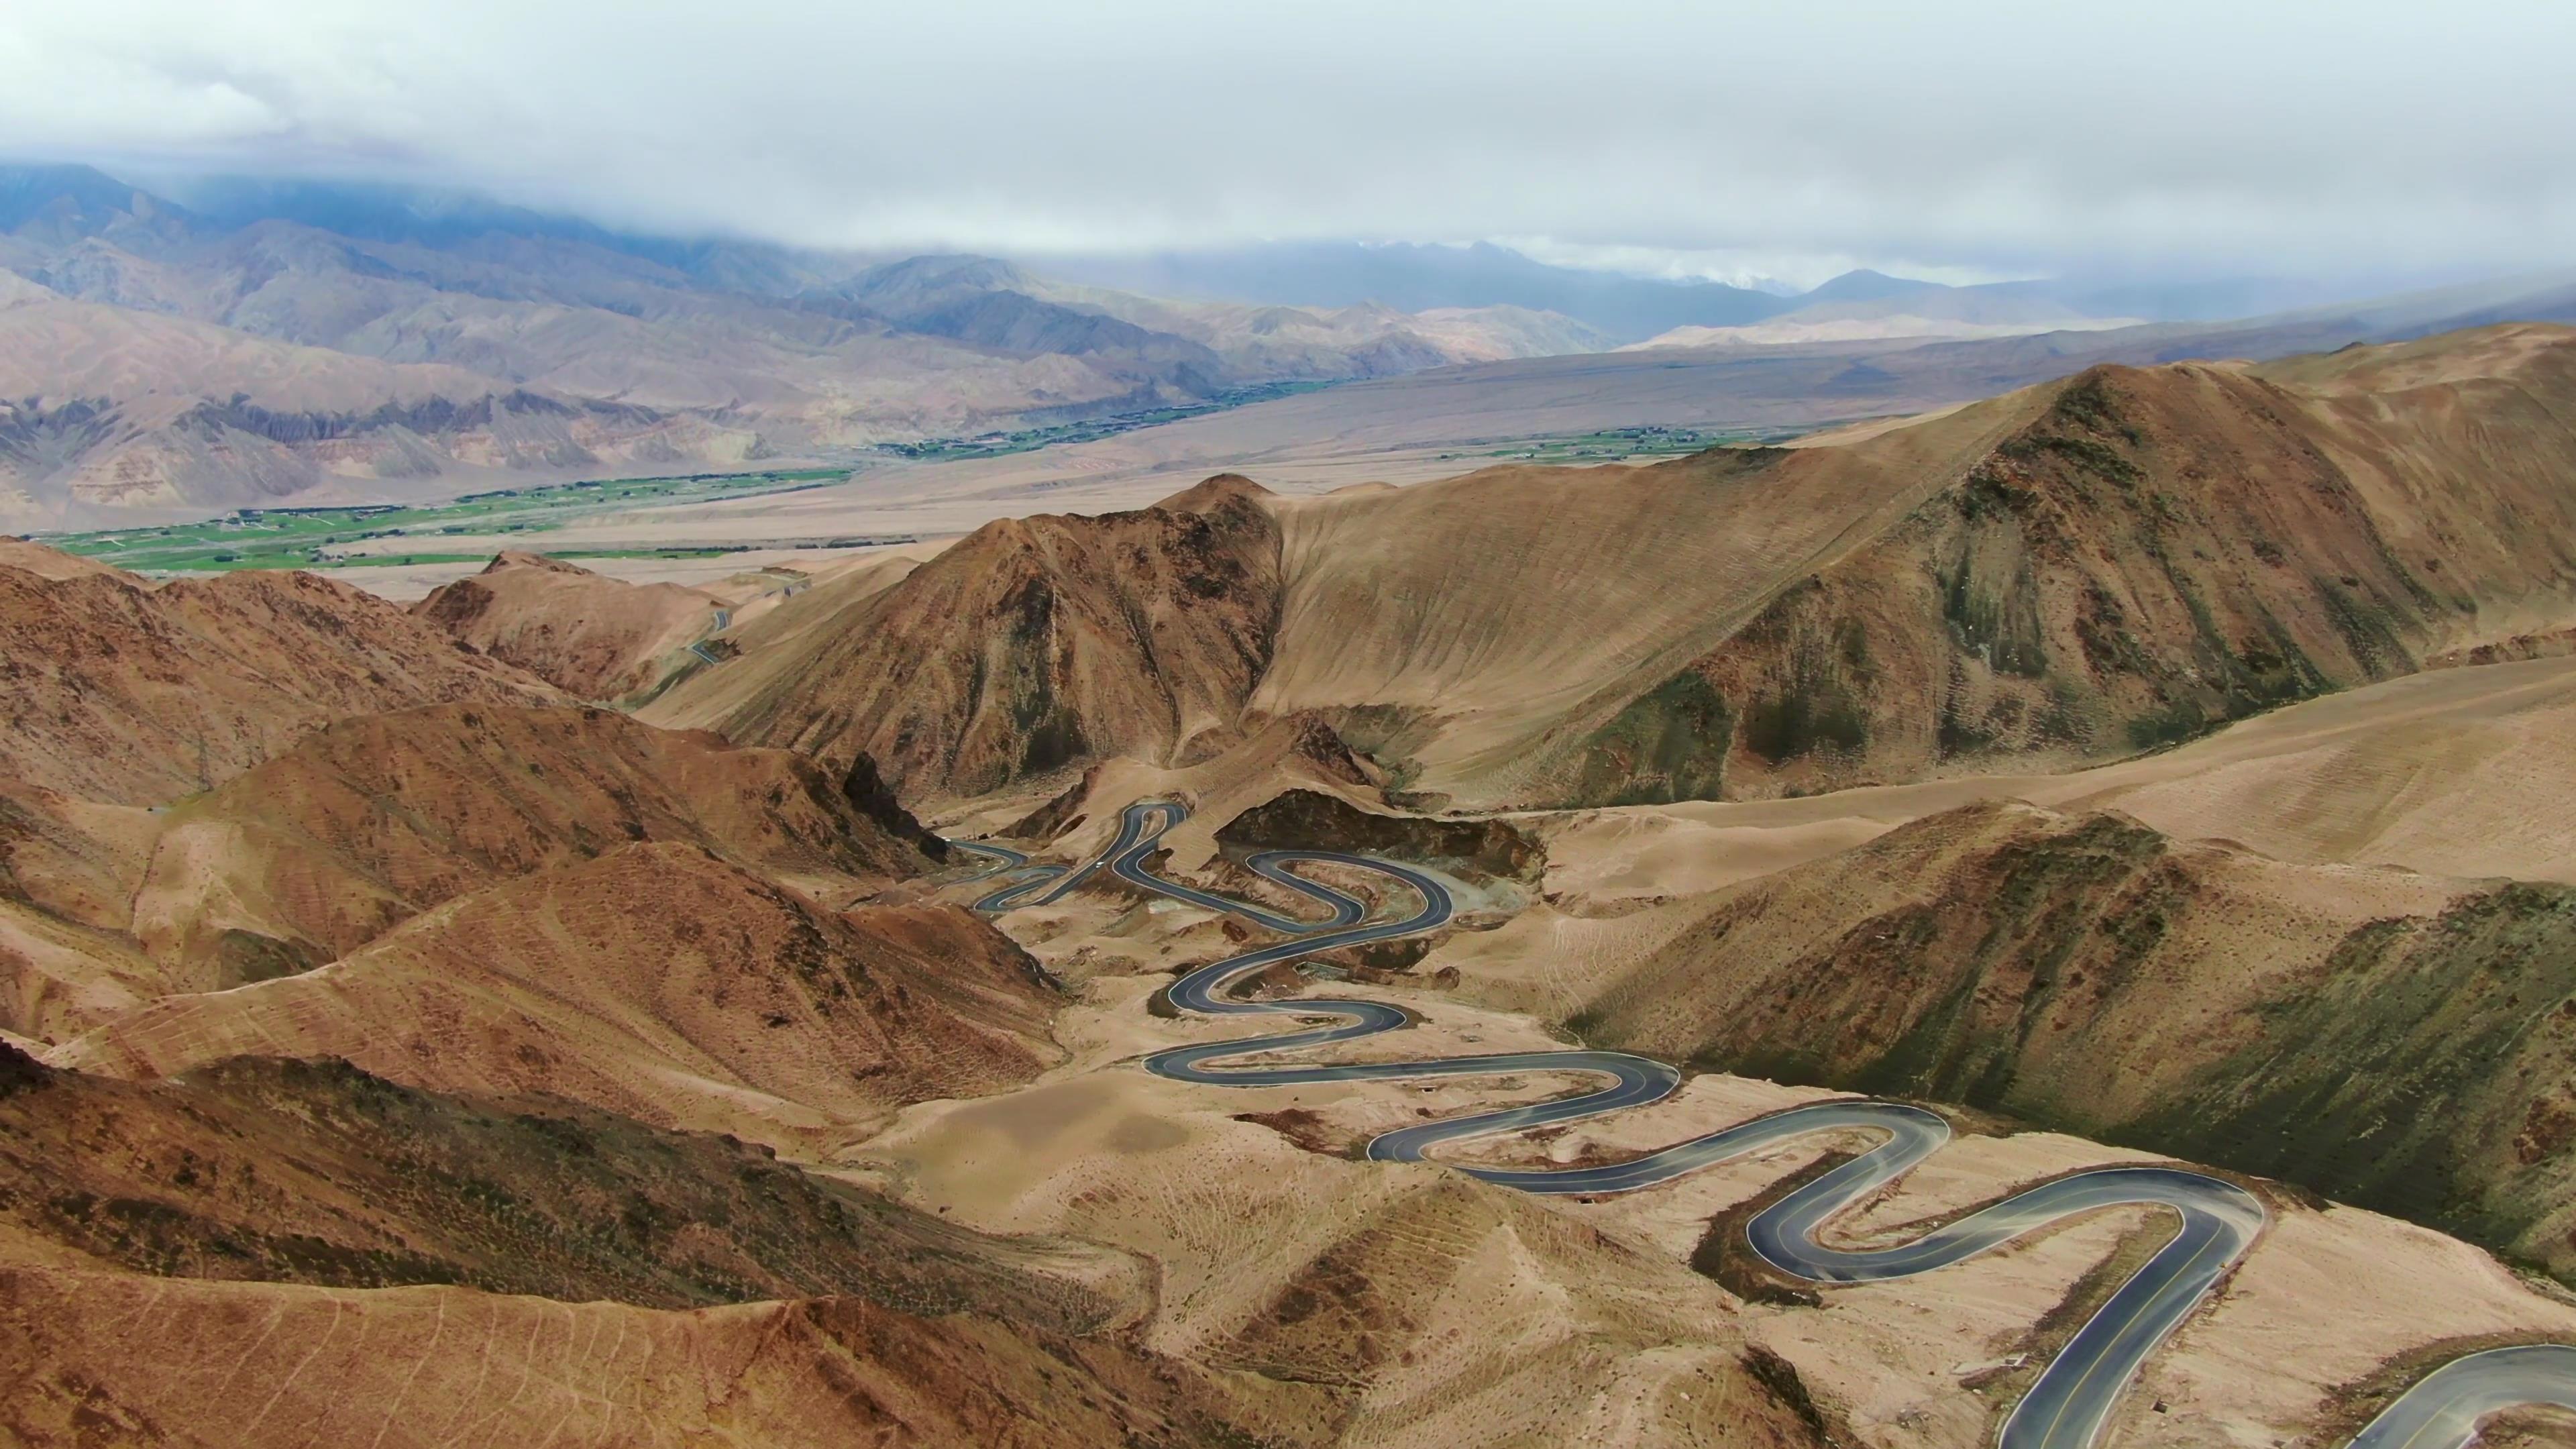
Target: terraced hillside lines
(1029, 646)
(370, 821)
(591, 636)
(134, 696)
(656, 981)
(2390, 1039)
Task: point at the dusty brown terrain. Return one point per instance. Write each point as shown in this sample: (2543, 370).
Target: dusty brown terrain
(1032, 645)
(131, 695)
(301, 1020)
(2071, 573)
(656, 981)
(290, 1172)
(2091, 974)
(368, 822)
(90, 1357)
(591, 636)
(1254, 1213)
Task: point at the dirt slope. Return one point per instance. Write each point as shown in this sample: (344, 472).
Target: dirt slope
(1031, 645)
(372, 820)
(281, 1171)
(50, 563)
(2401, 1041)
(657, 981)
(89, 1358)
(2073, 572)
(76, 858)
(1452, 628)
(2078, 570)
(1434, 1310)
(118, 693)
(589, 635)
(2163, 550)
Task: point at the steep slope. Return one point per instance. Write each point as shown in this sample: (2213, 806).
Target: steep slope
(370, 821)
(658, 982)
(50, 563)
(316, 1173)
(158, 1362)
(2164, 550)
(1029, 646)
(135, 696)
(1460, 630)
(588, 635)
(322, 1187)
(59, 978)
(2071, 572)
(2403, 1042)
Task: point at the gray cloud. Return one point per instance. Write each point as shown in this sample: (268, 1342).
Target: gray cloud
(1994, 138)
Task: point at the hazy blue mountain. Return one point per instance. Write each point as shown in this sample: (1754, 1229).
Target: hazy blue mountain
(1414, 278)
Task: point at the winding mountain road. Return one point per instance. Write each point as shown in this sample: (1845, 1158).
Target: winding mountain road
(2217, 1221)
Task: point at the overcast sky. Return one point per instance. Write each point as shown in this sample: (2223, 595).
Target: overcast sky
(1960, 139)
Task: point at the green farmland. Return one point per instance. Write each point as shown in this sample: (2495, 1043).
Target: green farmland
(322, 538)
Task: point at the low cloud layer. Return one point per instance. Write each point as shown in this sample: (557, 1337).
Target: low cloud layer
(1985, 139)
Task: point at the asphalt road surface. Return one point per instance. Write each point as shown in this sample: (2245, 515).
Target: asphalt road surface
(2216, 1220)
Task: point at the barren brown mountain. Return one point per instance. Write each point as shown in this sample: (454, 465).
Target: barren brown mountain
(423, 1001)
(657, 981)
(589, 635)
(367, 822)
(123, 1207)
(2167, 549)
(1030, 645)
(2068, 573)
(87, 1357)
(2396, 1040)
(135, 695)
(293, 1172)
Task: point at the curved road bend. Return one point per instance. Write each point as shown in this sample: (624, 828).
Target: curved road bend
(2064, 1409)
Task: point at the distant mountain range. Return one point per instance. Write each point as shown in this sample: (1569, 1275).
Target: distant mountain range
(229, 342)
(258, 342)
(1635, 309)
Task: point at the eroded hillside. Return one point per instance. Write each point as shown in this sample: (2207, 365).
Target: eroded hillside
(2071, 573)
(134, 695)
(657, 981)
(2390, 1039)
(1028, 646)
(589, 635)
(370, 821)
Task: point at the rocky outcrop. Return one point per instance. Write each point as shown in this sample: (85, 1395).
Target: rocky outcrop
(589, 635)
(1313, 820)
(1030, 647)
(115, 692)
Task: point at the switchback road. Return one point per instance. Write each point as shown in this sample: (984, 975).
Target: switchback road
(2216, 1220)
